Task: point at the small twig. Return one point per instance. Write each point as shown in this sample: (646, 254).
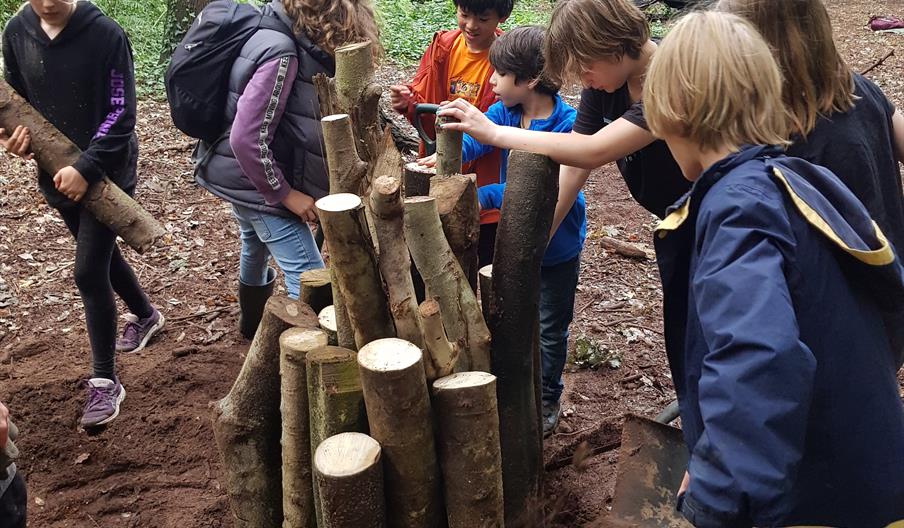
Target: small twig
(642, 327)
(184, 351)
(620, 321)
(198, 314)
(878, 63)
(567, 460)
(629, 379)
(575, 433)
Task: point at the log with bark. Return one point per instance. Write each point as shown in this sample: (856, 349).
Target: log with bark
(459, 212)
(448, 148)
(54, 151)
(623, 248)
(354, 264)
(441, 354)
(485, 277)
(525, 219)
(246, 422)
(395, 263)
(335, 399)
(348, 472)
(398, 411)
(447, 283)
(417, 179)
(327, 320)
(316, 288)
(469, 451)
(297, 494)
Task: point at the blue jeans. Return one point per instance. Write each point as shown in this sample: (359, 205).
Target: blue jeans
(557, 288)
(289, 240)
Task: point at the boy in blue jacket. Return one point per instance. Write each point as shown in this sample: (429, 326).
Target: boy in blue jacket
(773, 277)
(529, 101)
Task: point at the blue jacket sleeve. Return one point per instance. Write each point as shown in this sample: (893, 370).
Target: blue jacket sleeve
(490, 196)
(470, 148)
(757, 376)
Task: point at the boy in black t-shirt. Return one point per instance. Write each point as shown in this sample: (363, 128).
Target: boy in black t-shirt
(606, 44)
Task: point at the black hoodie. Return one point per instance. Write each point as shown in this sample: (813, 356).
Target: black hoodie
(83, 82)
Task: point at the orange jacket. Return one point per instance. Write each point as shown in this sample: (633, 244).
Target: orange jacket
(431, 85)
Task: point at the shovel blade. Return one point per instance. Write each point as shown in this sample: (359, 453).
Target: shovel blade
(651, 465)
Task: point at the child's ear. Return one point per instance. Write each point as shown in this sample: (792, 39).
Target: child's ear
(503, 19)
(533, 83)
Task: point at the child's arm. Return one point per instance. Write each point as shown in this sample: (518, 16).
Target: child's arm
(613, 142)
(897, 122)
(571, 181)
(403, 97)
(757, 376)
(471, 149)
(490, 196)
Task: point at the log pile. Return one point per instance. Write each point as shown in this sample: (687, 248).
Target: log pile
(398, 425)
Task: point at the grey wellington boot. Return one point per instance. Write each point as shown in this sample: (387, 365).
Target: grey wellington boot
(251, 304)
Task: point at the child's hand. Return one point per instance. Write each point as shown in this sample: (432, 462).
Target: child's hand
(685, 482)
(301, 205)
(429, 161)
(70, 183)
(18, 144)
(470, 121)
(399, 96)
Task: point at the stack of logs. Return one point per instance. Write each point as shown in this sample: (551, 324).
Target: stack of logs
(357, 405)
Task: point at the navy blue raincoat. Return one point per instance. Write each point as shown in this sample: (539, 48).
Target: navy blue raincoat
(775, 279)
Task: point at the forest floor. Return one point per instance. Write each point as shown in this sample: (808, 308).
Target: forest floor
(157, 464)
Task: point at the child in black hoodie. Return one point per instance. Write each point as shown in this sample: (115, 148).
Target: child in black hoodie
(74, 65)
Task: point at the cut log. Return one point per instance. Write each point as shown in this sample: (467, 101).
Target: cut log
(246, 422)
(417, 179)
(531, 188)
(346, 169)
(459, 212)
(441, 355)
(327, 319)
(348, 470)
(316, 288)
(389, 159)
(335, 400)
(298, 497)
(354, 263)
(623, 248)
(469, 452)
(447, 283)
(448, 148)
(398, 410)
(485, 276)
(54, 151)
(395, 263)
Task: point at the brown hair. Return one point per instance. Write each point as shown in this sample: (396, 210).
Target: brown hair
(817, 80)
(519, 52)
(333, 23)
(584, 31)
(714, 81)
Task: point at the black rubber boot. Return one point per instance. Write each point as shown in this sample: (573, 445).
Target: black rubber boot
(251, 304)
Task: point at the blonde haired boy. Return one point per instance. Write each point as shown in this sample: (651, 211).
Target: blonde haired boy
(773, 277)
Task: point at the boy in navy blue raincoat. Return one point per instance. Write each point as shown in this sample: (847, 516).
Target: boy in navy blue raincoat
(774, 276)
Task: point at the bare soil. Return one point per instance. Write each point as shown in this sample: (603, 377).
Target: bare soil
(157, 465)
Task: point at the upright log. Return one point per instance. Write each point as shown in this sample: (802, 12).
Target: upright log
(54, 151)
(355, 266)
(459, 212)
(395, 263)
(398, 410)
(441, 355)
(531, 189)
(417, 179)
(448, 148)
(335, 399)
(348, 470)
(298, 497)
(316, 288)
(485, 277)
(447, 283)
(246, 423)
(327, 320)
(469, 452)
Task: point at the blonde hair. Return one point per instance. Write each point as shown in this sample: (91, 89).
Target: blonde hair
(333, 23)
(817, 80)
(714, 82)
(584, 31)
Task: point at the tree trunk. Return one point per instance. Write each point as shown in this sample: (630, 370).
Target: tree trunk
(179, 16)
(316, 289)
(417, 179)
(442, 355)
(354, 263)
(395, 263)
(448, 148)
(469, 452)
(327, 320)
(459, 212)
(531, 188)
(446, 283)
(298, 497)
(246, 422)
(348, 471)
(398, 410)
(485, 275)
(335, 400)
(54, 151)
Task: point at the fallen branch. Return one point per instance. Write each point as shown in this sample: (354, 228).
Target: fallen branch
(878, 62)
(623, 248)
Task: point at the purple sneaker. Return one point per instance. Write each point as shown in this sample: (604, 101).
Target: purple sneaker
(137, 332)
(102, 406)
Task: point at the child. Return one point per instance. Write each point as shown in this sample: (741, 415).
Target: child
(527, 100)
(606, 43)
(74, 65)
(773, 275)
(272, 167)
(841, 120)
(456, 66)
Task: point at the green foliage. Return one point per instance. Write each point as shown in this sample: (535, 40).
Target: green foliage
(143, 21)
(590, 353)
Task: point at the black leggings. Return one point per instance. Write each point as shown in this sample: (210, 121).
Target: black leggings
(99, 271)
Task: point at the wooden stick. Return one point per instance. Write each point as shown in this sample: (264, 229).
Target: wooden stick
(441, 354)
(623, 248)
(448, 148)
(459, 212)
(485, 275)
(878, 63)
(348, 471)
